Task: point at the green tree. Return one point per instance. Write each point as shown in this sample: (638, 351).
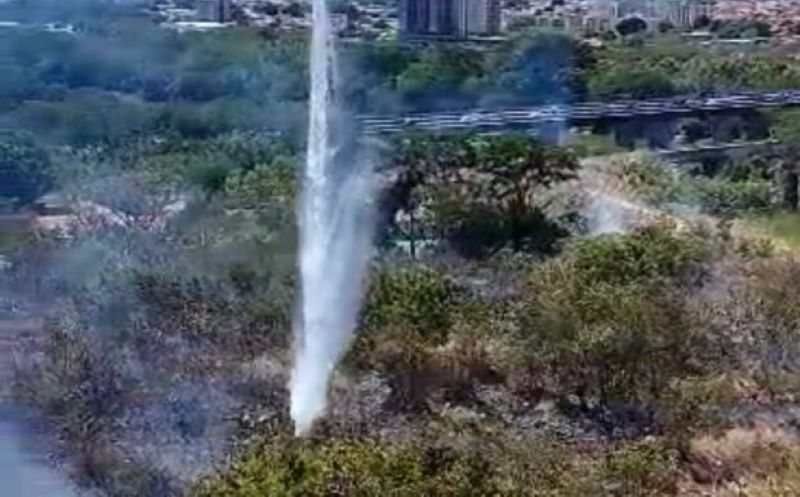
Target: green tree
(440, 72)
(702, 22)
(631, 25)
(632, 82)
(694, 130)
(24, 168)
(787, 130)
(540, 68)
(518, 166)
(270, 187)
(417, 160)
(480, 191)
(665, 26)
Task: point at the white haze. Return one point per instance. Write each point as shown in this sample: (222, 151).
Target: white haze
(608, 214)
(334, 240)
(24, 472)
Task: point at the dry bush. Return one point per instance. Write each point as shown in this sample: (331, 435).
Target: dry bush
(762, 317)
(141, 376)
(466, 362)
(221, 326)
(702, 404)
(74, 381)
(409, 312)
(428, 337)
(783, 483)
(741, 452)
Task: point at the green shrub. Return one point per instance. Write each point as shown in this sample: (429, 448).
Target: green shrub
(643, 469)
(353, 468)
(615, 344)
(755, 248)
(697, 404)
(591, 144)
(782, 228)
(653, 254)
(722, 197)
(609, 319)
(418, 298)
(272, 183)
(482, 464)
(24, 168)
(409, 311)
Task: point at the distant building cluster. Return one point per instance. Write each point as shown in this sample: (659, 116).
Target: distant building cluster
(783, 16)
(686, 13)
(215, 10)
(203, 14)
(350, 19)
(459, 19)
(475, 19)
(598, 16)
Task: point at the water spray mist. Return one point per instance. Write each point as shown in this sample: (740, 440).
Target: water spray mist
(334, 240)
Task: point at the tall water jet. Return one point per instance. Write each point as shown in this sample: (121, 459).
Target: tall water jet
(334, 238)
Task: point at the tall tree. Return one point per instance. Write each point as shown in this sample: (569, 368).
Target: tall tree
(787, 131)
(631, 25)
(481, 191)
(517, 166)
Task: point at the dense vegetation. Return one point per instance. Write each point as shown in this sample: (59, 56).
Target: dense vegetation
(514, 340)
(124, 78)
(623, 358)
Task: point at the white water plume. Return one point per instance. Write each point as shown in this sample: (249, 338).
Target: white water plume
(607, 214)
(334, 240)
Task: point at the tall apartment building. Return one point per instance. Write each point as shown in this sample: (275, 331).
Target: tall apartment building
(214, 10)
(449, 18)
(686, 12)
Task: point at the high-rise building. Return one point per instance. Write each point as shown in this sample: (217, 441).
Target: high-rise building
(214, 10)
(685, 12)
(414, 15)
(483, 17)
(449, 18)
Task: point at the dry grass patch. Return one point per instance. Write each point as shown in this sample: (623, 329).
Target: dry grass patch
(740, 453)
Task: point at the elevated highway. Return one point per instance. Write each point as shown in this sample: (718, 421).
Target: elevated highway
(521, 118)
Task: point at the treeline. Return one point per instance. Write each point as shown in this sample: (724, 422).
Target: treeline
(120, 82)
(132, 79)
(127, 77)
(667, 69)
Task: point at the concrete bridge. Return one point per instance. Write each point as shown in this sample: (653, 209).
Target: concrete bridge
(728, 116)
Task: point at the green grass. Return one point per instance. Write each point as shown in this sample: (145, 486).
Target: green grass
(588, 145)
(11, 240)
(783, 228)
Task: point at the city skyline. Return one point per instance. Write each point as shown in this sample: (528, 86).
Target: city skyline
(458, 19)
